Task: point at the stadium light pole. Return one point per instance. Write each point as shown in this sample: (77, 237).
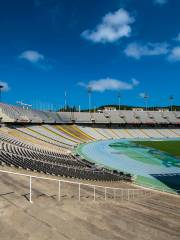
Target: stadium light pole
(146, 97)
(119, 101)
(171, 98)
(1, 89)
(89, 95)
(65, 100)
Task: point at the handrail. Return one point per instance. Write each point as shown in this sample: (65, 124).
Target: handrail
(62, 180)
(130, 193)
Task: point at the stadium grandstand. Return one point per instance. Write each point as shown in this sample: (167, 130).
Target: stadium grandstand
(95, 156)
(49, 142)
(90, 120)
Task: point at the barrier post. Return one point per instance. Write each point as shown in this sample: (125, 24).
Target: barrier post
(94, 192)
(105, 189)
(79, 192)
(59, 190)
(30, 189)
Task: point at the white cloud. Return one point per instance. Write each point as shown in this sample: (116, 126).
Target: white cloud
(112, 27)
(143, 95)
(36, 58)
(135, 82)
(5, 86)
(137, 50)
(160, 2)
(174, 55)
(177, 38)
(31, 56)
(102, 85)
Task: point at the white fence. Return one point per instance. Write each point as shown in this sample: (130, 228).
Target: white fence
(160, 188)
(94, 191)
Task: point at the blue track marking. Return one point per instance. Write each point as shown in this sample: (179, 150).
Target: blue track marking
(101, 153)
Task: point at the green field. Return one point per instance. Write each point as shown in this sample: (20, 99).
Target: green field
(170, 147)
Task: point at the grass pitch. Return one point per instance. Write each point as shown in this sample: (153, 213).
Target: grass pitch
(171, 147)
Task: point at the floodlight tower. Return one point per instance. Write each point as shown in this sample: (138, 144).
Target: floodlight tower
(65, 100)
(1, 89)
(89, 95)
(119, 101)
(171, 98)
(146, 97)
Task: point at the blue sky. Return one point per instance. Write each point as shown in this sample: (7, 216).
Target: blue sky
(129, 47)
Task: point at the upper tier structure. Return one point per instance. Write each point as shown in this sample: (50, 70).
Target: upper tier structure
(15, 114)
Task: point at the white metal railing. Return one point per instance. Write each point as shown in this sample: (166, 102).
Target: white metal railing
(125, 193)
(159, 188)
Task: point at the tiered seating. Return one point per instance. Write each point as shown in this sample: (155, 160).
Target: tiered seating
(168, 133)
(137, 133)
(18, 113)
(100, 133)
(10, 113)
(66, 117)
(40, 156)
(177, 114)
(99, 118)
(91, 132)
(67, 166)
(115, 117)
(157, 117)
(144, 117)
(74, 132)
(129, 117)
(82, 117)
(56, 130)
(43, 137)
(21, 143)
(44, 131)
(171, 117)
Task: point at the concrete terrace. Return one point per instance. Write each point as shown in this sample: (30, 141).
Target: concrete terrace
(151, 217)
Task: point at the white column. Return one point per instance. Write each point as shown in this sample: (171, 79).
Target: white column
(94, 193)
(79, 191)
(105, 195)
(59, 191)
(30, 189)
